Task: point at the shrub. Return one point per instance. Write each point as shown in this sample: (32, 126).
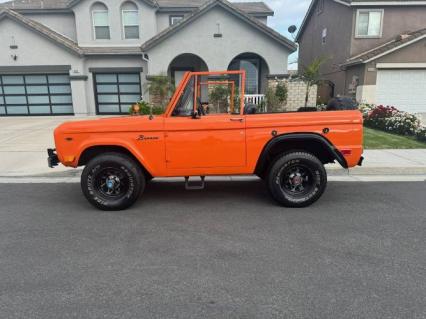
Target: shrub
(281, 92)
(272, 100)
(390, 119)
(366, 109)
(146, 108)
(421, 134)
(402, 123)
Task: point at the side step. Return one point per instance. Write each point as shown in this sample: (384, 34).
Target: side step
(195, 186)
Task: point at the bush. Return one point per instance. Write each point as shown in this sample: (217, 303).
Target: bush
(402, 123)
(146, 108)
(390, 119)
(281, 92)
(421, 134)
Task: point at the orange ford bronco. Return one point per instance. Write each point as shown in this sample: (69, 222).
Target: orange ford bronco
(209, 128)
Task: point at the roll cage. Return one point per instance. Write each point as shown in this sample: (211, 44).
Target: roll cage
(198, 83)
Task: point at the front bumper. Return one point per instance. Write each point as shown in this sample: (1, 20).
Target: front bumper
(52, 159)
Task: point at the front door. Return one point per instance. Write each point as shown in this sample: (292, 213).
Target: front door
(212, 138)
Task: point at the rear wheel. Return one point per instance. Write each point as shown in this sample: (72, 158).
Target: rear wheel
(297, 179)
(112, 181)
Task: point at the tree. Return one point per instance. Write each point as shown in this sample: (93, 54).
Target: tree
(311, 75)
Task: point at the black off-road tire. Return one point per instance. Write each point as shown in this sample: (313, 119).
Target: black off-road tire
(129, 182)
(280, 184)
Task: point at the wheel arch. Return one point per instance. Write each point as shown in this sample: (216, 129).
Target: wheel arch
(94, 150)
(313, 143)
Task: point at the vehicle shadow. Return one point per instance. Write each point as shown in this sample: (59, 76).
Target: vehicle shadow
(235, 191)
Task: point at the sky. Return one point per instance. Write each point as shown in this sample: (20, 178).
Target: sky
(287, 13)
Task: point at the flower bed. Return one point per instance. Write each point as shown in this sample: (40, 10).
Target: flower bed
(392, 120)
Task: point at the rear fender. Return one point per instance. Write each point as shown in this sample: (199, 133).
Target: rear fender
(310, 142)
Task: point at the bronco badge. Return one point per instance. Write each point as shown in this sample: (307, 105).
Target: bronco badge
(144, 138)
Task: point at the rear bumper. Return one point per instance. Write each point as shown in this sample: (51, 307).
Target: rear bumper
(52, 159)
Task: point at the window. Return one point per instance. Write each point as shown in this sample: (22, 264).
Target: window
(100, 22)
(115, 93)
(185, 105)
(252, 68)
(35, 94)
(369, 23)
(175, 19)
(130, 18)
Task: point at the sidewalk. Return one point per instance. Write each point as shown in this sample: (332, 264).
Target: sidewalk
(24, 140)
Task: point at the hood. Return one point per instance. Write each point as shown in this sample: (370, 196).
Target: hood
(116, 124)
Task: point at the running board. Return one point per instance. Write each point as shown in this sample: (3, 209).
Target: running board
(195, 186)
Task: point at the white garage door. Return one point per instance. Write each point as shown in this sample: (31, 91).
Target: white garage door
(404, 89)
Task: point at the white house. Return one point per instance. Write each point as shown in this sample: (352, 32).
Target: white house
(94, 57)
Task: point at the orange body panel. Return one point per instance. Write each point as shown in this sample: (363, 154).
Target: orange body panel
(222, 144)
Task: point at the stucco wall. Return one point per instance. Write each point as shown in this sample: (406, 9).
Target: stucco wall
(238, 37)
(85, 36)
(63, 23)
(396, 21)
(336, 18)
(33, 49)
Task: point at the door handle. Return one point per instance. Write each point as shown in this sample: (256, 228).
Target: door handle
(237, 119)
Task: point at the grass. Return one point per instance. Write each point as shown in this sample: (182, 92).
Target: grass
(374, 139)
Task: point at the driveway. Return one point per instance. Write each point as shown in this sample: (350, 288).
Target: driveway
(225, 252)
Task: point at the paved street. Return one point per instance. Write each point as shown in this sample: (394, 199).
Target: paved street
(225, 252)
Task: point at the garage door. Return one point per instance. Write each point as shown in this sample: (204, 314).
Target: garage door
(116, 92)
(35, 94)
(404, 89)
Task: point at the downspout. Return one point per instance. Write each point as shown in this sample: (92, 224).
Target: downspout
(145, 58)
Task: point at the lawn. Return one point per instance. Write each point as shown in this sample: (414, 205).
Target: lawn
(374, 139)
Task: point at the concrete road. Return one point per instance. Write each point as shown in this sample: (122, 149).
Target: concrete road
(225, 252)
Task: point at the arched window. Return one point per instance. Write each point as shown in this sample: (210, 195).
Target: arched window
(130, 19)
(100, 21)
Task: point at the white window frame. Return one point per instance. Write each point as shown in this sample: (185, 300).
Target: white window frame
(94, 26)
(361, 36)
(174, 16)
(130, 25)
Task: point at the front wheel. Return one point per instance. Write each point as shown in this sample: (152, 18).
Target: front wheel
(112, 181)
(297, 179)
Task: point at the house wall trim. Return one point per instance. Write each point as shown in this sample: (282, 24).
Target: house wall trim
(115, 70)
(35, 69)
(401, 66)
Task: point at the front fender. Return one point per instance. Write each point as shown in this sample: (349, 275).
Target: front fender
(116, 142)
